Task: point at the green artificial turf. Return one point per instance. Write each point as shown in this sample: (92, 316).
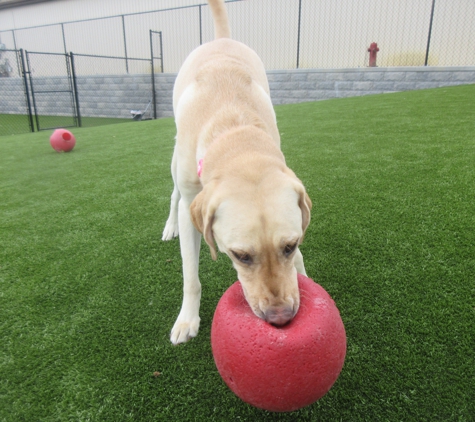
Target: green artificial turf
(89, 292)
(12, 124)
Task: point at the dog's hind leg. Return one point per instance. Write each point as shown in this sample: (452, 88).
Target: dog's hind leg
(171, 228)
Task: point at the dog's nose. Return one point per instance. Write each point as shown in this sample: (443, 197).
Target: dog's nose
(279, 315)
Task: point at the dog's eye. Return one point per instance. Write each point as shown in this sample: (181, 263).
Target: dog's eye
(289, 249)
(243, 257)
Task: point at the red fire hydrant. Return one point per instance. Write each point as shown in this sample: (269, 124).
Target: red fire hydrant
(373, 51)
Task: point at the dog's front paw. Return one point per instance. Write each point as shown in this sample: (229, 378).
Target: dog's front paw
(184, 330)
(171, 229)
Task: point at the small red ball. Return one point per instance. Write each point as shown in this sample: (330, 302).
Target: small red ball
(279, 369)
(62, 140)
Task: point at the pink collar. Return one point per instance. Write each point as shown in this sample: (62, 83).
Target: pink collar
(200, 167)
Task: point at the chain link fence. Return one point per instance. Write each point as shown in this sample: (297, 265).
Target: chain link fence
(43, 91)
(287, 34)
(112, 87)
(15, 113)
(51, 90)
(109, 76)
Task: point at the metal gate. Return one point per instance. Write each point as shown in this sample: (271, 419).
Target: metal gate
(52, 89)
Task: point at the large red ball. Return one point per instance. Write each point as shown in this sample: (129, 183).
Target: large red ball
(62, 140)
(279, 369)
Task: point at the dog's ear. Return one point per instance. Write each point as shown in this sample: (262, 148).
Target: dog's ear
(305, 203)
(202, 211)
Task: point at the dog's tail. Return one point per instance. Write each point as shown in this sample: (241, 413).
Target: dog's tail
(220, 18)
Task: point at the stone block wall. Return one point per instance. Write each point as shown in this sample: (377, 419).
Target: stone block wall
(301, 85)
(295, 86)
(114, 95)
(117, 95)
(99, 96)
(12, 96)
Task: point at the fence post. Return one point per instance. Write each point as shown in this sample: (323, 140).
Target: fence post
(154, 99)
(75, 88)
(64, 39)
(430, 33)
(27, 92)
(14, 39)
(37, 118)
(161, 52)
(125, 45)
(201, 25)
(18, 62)
(298, 34)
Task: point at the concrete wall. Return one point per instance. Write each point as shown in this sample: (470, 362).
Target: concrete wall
(115, 96)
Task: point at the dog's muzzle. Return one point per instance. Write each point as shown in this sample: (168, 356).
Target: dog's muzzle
(279, 315)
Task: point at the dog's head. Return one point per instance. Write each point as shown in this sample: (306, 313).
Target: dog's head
(260, 228)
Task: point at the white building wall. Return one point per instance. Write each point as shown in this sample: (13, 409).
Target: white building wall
(334, 33)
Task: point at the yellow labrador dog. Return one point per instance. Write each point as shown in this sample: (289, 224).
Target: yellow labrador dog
(231, 182)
